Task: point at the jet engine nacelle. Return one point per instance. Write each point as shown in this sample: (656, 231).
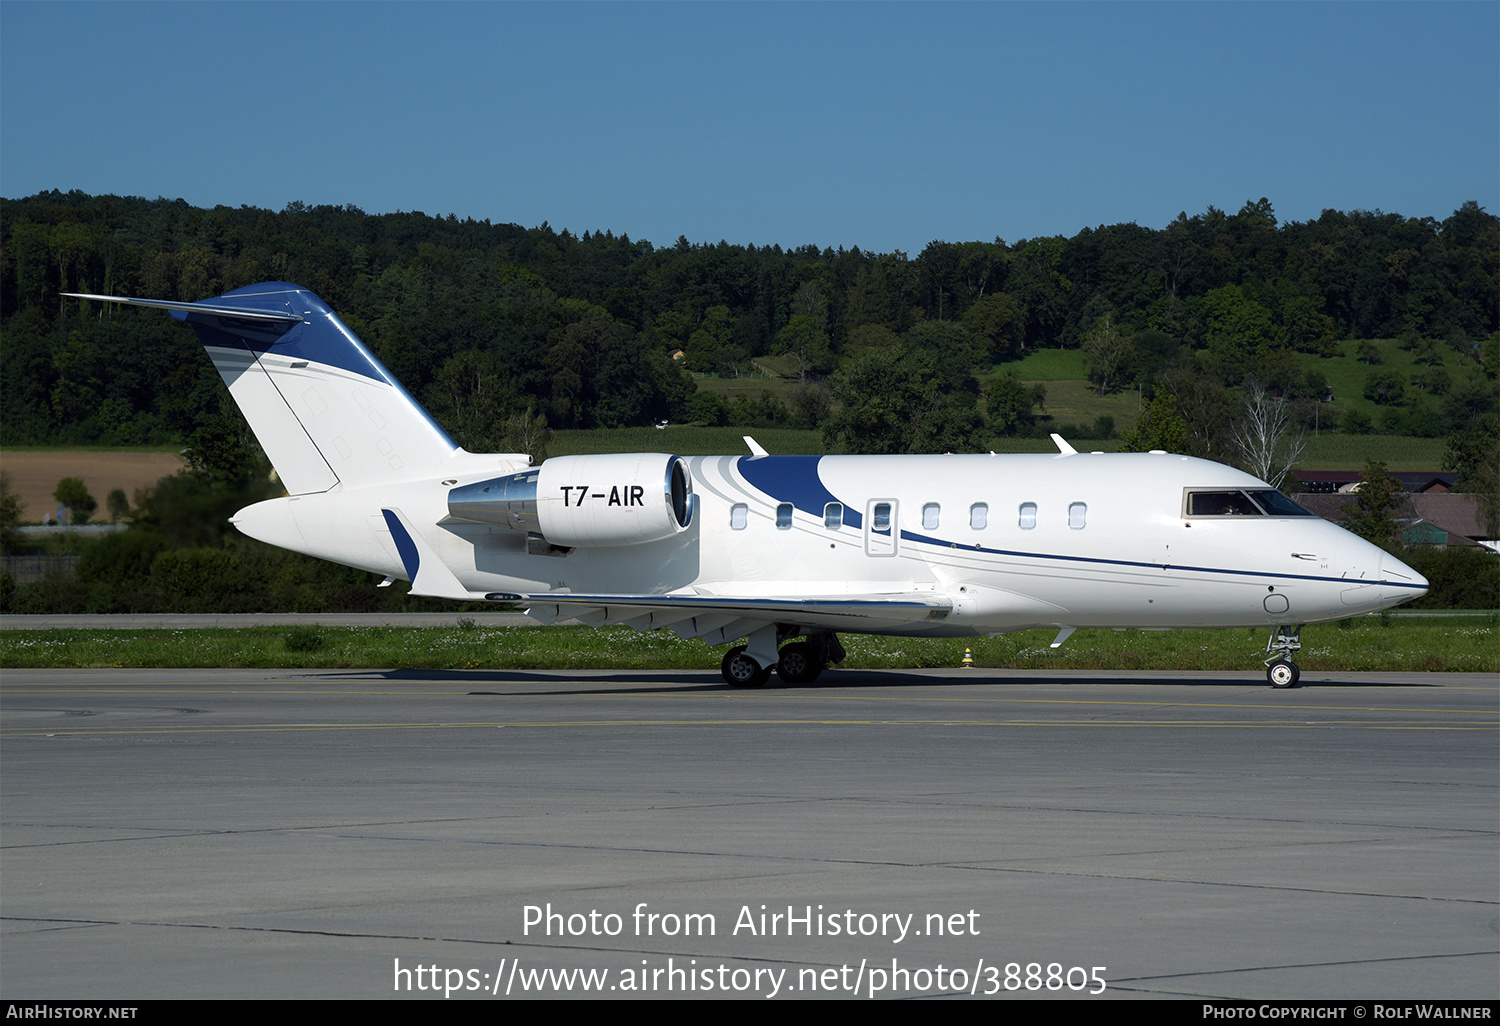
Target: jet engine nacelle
(571, 501)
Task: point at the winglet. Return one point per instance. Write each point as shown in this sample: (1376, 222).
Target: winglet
(1063, 447)
(755, 449)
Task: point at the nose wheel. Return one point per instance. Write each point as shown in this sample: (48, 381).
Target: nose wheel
(1281, 672)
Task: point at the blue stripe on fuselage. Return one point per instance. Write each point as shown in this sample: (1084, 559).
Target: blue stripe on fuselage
(795, 479)
(965, 547)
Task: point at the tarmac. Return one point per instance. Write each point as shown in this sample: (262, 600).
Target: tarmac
(495, 834)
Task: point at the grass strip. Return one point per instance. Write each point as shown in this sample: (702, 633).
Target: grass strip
(1386, 643)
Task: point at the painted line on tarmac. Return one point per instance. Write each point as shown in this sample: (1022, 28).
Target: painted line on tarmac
(584, 724)
(673, 691)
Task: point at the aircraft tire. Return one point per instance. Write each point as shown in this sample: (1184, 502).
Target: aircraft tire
(740, 671)
(799, 663)
(1283, 673)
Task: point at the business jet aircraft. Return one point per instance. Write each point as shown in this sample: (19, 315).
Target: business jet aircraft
(766, 548)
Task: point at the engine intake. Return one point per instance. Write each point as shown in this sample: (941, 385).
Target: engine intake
(615, 499)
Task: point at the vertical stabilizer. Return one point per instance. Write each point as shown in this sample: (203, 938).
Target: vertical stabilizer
(325, 410)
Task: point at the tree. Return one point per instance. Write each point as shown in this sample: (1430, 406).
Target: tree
(1475, 454)
(226, 450)
(810, 405)
(1264, 440)
(1160, 427)
(1105, 353)
(472, 396)
(711, 348)
(1204, 406)
(528, 432)
(805, 343)
(997, 320)
(72, 493)
(11, 510)
(1010, 403)
(955, 353)
(1386, 388)
(118, 504)
(1373, 514)
(1237, 329)
(894, 402)
(708, 408)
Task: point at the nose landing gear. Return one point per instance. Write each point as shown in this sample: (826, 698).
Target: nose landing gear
(1281, 672)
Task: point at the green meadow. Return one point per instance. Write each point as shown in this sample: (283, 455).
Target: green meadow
(1390, 643)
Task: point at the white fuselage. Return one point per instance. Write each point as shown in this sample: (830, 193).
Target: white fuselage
(1081, 540)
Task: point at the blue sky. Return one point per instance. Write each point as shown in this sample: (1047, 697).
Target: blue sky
(878, 125)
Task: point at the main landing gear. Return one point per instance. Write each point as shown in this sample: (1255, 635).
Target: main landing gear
(1281, 672)
(740, 671)
(797, 663)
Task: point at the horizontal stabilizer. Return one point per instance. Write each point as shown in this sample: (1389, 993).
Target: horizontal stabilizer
(199, 309)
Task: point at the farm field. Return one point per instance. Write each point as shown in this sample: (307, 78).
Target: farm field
(34, 474)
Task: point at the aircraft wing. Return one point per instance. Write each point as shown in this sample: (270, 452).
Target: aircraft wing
(720, 619)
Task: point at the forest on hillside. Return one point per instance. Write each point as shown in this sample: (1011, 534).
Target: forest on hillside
(502, 330)
(892, 352)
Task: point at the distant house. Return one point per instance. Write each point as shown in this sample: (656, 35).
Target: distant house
(1426, 482)
(1430, 518)
(1328, 482)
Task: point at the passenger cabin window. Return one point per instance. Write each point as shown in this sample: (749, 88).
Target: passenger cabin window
(930, 516)
(784, 516)
(979, 516)
(739, 514)
(882, 517)
(1077, 515)
(1028, 516)
(833, 515)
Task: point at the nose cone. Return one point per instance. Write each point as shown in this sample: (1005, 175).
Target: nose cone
(1399, 582)
(1377, 580)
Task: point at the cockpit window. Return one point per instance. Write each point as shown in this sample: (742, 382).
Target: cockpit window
(1227, 502)
(1277, 505)
(1221, 504)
